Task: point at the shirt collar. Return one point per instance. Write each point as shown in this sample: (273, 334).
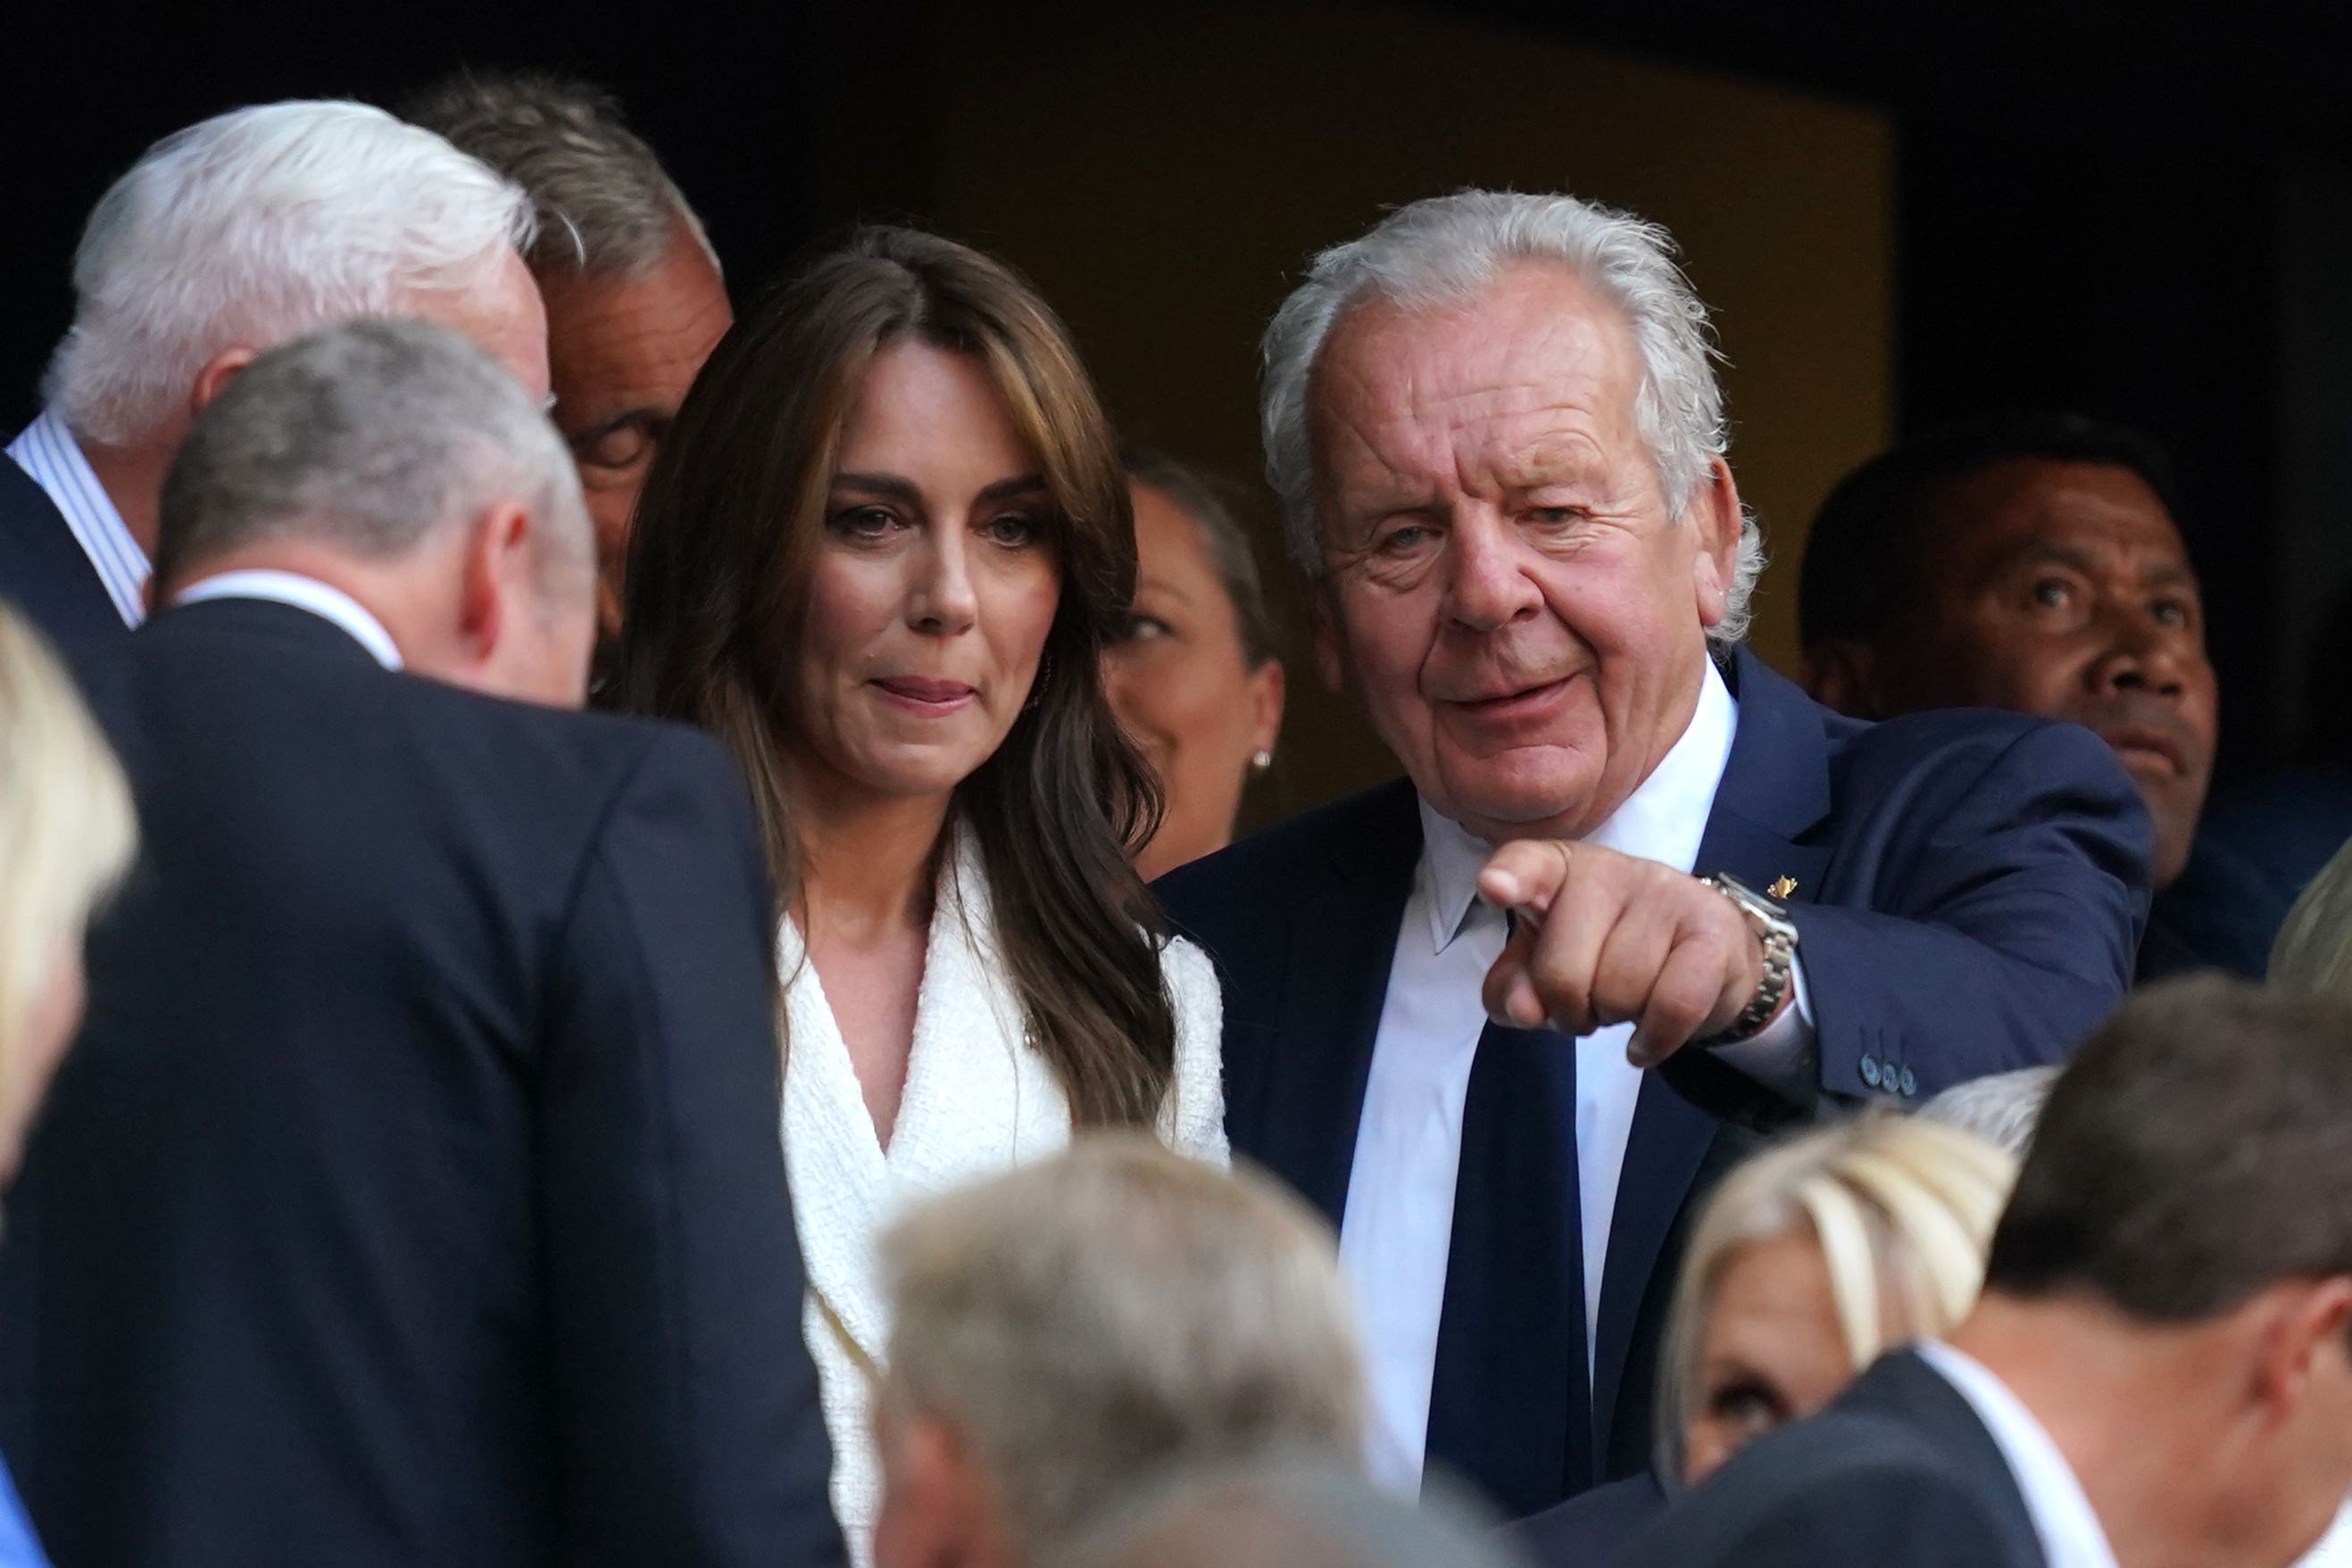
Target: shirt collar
(48, 454)
(1664, 820)
(326, 602)
(2064, 1518)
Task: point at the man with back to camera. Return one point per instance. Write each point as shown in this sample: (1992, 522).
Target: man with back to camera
(415, 1194)
(2032, 562)
(1494, 428)
(634, 299)
(2159, 1370)
(225, 238)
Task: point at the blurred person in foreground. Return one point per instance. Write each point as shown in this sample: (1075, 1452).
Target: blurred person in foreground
(1809, 1260)
(414, 1194)
(1294, 1515)
(236, 234)
(2034, 562)
(1623, 841)
(1195, 678)
(2158, 1370)
(66, 836)
(879, 559)
(635, 298)
(1071, 1329)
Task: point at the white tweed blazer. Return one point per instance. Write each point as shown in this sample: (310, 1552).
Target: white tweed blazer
(978, 1099)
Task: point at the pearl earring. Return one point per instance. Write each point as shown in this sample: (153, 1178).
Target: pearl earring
(1261, 760)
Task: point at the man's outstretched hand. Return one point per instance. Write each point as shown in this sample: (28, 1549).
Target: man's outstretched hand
(1599, 937)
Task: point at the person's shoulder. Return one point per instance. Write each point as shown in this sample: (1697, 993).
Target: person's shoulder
(1850, 1484)
(1592, 1527)
(572, 773)
(1952, 752)
(1298, 852)
(1191, 977)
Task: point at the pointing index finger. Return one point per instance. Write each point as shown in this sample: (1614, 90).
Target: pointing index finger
(1526, 874)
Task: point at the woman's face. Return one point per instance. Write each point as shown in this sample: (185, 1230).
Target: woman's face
(1181, 685)
(1770, 1351)
(934, 584)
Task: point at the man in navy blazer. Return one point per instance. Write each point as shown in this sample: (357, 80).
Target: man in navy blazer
(414, 1196)
(1496, 431)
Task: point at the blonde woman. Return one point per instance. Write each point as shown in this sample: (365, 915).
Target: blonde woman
(1809, 1262)
(65, 836)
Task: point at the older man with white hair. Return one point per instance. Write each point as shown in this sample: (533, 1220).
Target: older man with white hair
(1623, 841)
(224, 239)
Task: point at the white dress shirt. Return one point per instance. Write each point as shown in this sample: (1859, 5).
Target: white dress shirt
(46, 450)
(1399, 1223)
(303, 594)
(2064, 1519)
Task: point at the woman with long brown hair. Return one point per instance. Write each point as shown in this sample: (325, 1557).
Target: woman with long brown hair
(879, 558)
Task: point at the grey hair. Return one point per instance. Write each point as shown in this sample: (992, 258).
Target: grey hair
(2312, 953)
(605, 204)
(1295, 1514)
(369, 437)
(255, 226)
(2001, 1109)
(1443, 250)
(1087, 1320)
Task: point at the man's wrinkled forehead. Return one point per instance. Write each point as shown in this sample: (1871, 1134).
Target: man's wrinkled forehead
(1506, 369)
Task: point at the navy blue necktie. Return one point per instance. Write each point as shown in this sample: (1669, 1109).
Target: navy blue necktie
(1510, 1403)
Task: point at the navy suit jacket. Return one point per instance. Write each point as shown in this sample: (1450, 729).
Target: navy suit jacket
(1898, 1471)
(45, 573)
(1593, 1529)
(412, 1194)
(1970, 886)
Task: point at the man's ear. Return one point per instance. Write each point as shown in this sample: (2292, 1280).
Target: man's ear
(1842, 672)
(1713, 514)
(2304, 1333)
(497, 554)
(933, 1513)
(218, 371)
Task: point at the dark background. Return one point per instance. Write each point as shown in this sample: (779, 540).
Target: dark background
(2141, 211)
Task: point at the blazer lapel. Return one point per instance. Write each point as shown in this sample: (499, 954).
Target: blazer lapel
(1341, 950)
(1775, 791)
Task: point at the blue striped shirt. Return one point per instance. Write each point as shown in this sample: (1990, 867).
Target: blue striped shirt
(47, 452)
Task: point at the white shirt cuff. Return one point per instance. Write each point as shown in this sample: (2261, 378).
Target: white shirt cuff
(1784, 1055)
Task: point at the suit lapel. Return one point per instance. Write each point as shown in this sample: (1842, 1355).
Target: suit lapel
(1775, 791)
(1342, 950)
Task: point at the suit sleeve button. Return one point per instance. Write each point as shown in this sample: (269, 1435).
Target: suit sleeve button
(1870, 1071)
(1910, 1082)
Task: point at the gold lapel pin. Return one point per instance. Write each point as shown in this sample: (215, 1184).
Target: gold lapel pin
(1783, 888)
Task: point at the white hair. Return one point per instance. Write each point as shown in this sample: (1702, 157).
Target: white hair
(1446, 249)
(2002, 1108)
(258, 225)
